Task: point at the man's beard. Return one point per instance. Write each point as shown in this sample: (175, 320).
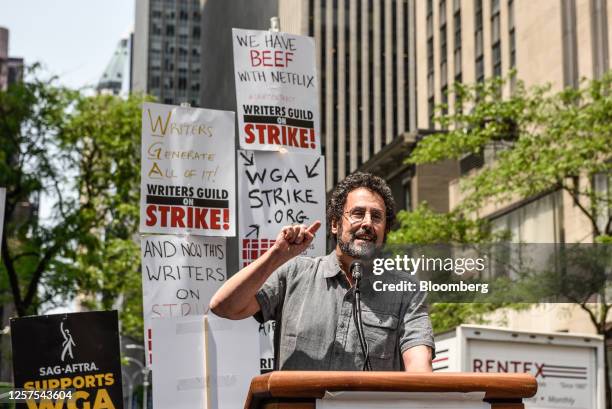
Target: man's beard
(365, 251)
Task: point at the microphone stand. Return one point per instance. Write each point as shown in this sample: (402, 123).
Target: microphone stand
(356, 272)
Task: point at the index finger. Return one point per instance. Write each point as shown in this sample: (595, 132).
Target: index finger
(312, 229)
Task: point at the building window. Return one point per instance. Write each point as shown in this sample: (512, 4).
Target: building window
(443, 45)
(479, 55)
(444, 94)
(457, 40)
(480, 69)
(512, 41)
(430, 63)
(155, 81)
(430, 110)
(495, 39)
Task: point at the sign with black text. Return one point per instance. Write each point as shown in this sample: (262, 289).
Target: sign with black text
(187, 171)
(77, 351)
(276, 91)
(179, 276)
(275, 190)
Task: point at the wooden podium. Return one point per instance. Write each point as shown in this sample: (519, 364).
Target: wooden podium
(301, 389)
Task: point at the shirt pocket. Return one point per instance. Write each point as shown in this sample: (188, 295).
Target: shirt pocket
(380, 330)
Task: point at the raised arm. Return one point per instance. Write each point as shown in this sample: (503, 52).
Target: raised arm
(236, 298)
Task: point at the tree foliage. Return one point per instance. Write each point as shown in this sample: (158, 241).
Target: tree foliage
(34, 261)
(76, 157)
(424, 226)
(545, 141)
(103, 134)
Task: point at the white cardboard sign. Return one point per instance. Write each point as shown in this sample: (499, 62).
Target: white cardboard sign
(275, 190)
(207, 362)
(179, 276)
(233, 360)
(179, 374)
(276, 91)
(187, 171)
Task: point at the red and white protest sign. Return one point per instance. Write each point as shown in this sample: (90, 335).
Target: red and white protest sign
(276, 91)
(187, 171)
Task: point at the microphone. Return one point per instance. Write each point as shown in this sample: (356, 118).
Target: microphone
(356, 271)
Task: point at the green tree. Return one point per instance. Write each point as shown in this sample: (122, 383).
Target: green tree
(545, 141)
(33, 164)
(77, 158)
(104, 133)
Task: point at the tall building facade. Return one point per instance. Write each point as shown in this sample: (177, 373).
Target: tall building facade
(363, 59)
(167, 60)
(11, 68)
(557, 42)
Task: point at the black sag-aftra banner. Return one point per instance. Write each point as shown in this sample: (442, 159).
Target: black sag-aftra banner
(77, 352)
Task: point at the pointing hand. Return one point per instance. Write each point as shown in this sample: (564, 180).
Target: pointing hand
(293, 240)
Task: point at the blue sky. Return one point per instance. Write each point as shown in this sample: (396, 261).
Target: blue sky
(74, 39)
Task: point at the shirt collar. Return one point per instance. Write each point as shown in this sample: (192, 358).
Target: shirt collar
(333, 267)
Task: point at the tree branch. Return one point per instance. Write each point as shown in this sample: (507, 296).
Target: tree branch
(13, 278)
(591, 315)
(40, 268)
(25, 254)
(574, 194)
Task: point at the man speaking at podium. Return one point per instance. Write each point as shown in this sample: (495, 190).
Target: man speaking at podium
(312, 299)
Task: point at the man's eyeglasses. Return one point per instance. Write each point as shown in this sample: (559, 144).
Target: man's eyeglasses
(358, 215)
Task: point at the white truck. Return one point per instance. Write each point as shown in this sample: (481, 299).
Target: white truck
(569, 368)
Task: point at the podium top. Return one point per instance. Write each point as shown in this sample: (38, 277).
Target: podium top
(314, 384)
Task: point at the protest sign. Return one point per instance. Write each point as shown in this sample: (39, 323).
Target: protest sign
(233, 360)
(276, 91)
(2, 206)
(179, 374)
(179, 276)
(78, 352)
(187, 171)
(266, 346)
(206, 363)
(275, 190)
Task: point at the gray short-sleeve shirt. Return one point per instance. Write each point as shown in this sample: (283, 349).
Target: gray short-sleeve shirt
(317, 330)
